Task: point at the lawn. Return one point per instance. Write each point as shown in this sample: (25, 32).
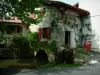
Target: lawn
(29, 63)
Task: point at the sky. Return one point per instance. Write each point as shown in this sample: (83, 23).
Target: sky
(72, 2)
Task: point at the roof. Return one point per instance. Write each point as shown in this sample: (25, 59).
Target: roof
(14, 20)
(63, 7)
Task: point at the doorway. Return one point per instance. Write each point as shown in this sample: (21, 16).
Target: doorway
(67, 38)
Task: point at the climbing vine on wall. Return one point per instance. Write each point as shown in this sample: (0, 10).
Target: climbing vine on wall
(72, 22)
(55, 25)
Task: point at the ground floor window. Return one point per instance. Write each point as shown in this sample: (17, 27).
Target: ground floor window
(44, 33)
(10, 29)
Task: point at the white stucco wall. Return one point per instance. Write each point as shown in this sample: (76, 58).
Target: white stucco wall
(46, 22)
(59, 37)
(73, 31)
(93, 7)
(33, 28)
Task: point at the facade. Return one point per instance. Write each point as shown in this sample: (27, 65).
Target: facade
(62, 23)
(93, 7)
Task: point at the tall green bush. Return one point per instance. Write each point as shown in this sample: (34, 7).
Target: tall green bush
(33, 41)
(23, 44)
(33, 35)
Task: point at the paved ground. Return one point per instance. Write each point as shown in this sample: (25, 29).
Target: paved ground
(84, 70)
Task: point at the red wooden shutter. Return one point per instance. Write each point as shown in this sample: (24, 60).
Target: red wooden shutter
(48, 33)
(19, 29)
(39, 33)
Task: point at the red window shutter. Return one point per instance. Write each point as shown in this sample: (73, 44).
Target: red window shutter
(48, 33)
(19, 29)
(39, 33)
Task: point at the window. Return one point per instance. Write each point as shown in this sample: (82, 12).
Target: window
(44, 33)
(13, 29)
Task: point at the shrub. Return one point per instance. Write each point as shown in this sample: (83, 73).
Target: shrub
(44, 44)
(53, 46)
(65, 57)
(7, 48)
(33, 36)
(23, 44)
(6, 54)
(33, 41)
(83, 51)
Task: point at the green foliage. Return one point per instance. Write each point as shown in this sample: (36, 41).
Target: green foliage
(2, 27)
(17, 40)
(33, 35)
(83, 51)
(49, 65)
(70, 21)
(65, 57)
(53, 46)
(44, 44)
(54, 65)
(1, 37)
(21, 9)
(33, 40)
(23, 44)
(36, 44)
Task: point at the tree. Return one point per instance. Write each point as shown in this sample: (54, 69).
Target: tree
(21, 9)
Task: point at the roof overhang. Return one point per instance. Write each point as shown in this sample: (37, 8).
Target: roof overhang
(63, 7)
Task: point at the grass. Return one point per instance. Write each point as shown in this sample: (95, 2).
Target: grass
(29, 63)
(53, 65)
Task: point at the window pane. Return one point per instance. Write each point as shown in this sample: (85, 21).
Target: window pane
(44, 32)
